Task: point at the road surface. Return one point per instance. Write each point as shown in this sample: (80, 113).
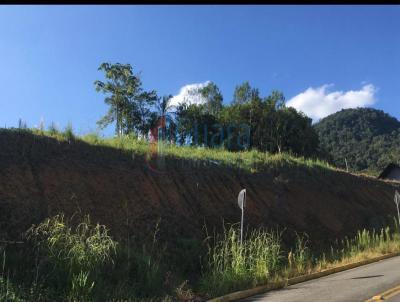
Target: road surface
(356, 285)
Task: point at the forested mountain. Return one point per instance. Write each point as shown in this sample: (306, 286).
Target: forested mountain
(367, 138)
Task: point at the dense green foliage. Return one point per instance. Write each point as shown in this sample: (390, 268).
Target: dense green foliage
(367, 138)
(250, 121)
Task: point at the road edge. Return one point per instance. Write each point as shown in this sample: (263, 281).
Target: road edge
(281, 284)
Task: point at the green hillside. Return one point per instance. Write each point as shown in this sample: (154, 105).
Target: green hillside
(367, 138)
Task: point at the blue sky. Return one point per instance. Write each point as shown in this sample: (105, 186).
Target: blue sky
(322, 57)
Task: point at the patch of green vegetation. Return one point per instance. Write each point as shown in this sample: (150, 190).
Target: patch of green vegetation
(252, 160)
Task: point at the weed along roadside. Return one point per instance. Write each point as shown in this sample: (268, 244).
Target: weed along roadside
(260, 263)
(281, 284)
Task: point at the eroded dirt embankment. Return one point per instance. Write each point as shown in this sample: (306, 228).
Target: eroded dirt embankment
(40, 177)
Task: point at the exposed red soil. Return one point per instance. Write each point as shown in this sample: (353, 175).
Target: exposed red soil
(40, 177)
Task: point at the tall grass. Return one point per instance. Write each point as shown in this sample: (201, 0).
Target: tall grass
(8, 292)
(76, 260)
(232, 265)
(69, 133)
(299, 260)
(52, 131)
(364, 245)
(141, 269)
(77, 253)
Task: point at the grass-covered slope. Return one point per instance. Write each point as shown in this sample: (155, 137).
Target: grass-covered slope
(367, 138)
(121, 186)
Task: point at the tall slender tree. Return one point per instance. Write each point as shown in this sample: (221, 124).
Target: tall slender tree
(165, 117)
(116, 89)
(129, 104)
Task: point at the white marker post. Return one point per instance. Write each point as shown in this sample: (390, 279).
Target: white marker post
(241, 203)
(397, 201)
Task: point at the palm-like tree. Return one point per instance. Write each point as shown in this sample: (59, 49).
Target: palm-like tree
(163, 105)
(165, 118)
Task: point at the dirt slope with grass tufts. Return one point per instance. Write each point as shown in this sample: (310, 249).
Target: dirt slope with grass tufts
(41, 176)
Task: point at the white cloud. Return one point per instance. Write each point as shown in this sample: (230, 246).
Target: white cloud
(318, 102)
(189, 94)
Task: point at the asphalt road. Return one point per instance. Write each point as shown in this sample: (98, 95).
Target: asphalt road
(355, 285)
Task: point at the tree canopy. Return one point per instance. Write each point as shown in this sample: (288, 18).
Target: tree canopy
(248, 121)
